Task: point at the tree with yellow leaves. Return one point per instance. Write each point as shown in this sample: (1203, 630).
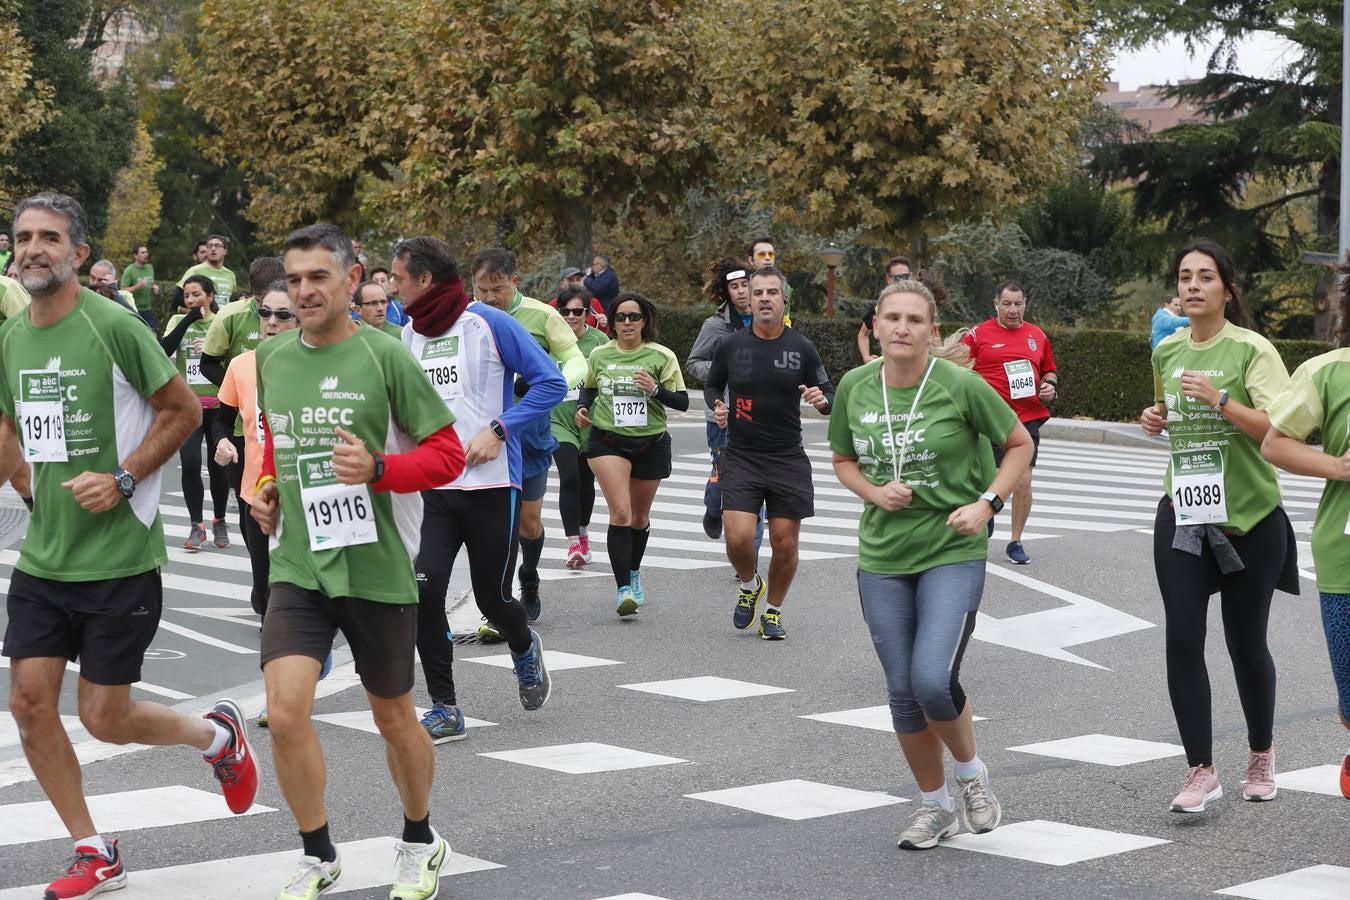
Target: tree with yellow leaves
(133, 208)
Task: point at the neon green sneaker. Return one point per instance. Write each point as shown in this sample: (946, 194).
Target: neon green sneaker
(417, 869)
(311, 878)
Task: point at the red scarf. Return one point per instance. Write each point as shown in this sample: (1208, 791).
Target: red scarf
(438, 309)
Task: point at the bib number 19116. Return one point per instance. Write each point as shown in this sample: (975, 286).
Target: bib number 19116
(42, 416)
(336, 514)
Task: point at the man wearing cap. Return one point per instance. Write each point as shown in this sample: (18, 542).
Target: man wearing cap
(573, 277)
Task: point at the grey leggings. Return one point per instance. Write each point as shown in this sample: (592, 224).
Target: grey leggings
(920, 625)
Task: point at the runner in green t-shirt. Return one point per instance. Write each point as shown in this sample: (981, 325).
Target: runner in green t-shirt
(6, 254)
(344, 522)
(1318, 398)
(1221, 524)
(92, 403)
(214, 268)
(908, 434)
(630, 383)
(139, 280)
(184, 336)
(14, 299)
(576, 481)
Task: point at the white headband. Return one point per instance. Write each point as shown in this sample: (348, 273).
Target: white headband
(732, 276)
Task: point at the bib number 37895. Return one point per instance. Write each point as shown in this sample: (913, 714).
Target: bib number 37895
(1198, 494)
(336, 514)
(42, 416)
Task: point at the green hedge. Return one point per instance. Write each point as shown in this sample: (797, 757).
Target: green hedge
(1103, 374)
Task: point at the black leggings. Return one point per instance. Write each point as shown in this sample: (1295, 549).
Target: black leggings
(1186, 583)
(485, 522)
(258, 560)
(576, 488)
(190, 460)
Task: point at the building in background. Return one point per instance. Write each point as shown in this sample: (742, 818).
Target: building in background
(1149, 108)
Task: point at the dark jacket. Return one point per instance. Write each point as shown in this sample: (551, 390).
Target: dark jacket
(603, 287)
(716, 327)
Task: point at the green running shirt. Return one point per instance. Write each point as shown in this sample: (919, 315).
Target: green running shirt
(620, 407)
(188, 359)
(223, 278)
(946, 463)
(1318, 396)
(92, 372)
(1203, 441)
(564, 417)
(371, 386)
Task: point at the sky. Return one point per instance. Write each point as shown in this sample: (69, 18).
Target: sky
(1167, 61)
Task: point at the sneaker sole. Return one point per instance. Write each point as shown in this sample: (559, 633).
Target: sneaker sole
(1252, 798)
(1215, 794)
(576, 562)
(628, 607)
(773, 637)
(452, 739)
(950, 831)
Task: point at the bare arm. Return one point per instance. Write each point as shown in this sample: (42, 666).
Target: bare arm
(865, 342)
(178, 412)
(1293, 455)
(11, 457)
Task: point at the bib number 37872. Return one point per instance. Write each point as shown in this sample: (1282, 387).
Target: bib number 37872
(336, 514)
(1198, 494)
(630, 412)
(42, 416)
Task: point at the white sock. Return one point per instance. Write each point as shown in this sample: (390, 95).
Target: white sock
(222, 738)
(96, 841)
(968, 770)
(752, 584)
(941, 797)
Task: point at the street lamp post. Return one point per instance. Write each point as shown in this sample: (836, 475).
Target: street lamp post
(832, 256)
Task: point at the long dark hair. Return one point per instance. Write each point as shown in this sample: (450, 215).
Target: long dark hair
(208, 287)
(648, 315)
(1233, 310)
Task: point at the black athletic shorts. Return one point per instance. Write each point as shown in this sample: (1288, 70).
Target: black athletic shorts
(1034, 428)
(779, 482)
(650, 456)
(382, 636)
(106, 625)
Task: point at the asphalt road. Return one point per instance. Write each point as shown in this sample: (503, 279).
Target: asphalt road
(1069, 647)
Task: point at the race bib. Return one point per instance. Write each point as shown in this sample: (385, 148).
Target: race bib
(336, 514)
(1198, 495)
(194, 370)
(444, 375)
(630, 412)
(42, 415)
(1021, 379)
(261, 422)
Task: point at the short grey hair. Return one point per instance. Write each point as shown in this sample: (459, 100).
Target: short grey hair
(105, 264)
(772, 272)
(329, 237)
(77, 221)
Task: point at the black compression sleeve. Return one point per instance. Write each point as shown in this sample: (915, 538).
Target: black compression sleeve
(587, 397)
(222, 425)
(213, 368)
(174, 339)
(676, 400)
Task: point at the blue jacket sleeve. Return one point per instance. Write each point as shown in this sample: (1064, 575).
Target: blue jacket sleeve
(604, 287)
(522, 354)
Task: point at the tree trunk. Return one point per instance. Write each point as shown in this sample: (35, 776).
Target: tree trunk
(580, 230)
(1329, 199)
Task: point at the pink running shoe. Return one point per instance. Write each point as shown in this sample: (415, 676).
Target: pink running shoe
(1200, 787)
(575, 558)
(585, 541)
(1259, 785)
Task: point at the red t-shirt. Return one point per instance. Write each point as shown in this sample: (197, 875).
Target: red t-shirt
(1013, 361)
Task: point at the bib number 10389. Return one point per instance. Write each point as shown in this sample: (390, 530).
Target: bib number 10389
(1198, 494)
(42, 416)
(336, 514)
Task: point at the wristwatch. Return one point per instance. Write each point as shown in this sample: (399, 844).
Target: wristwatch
(994, 500)
(379, 467)
(126, 482)
(498, 429)
(1223, 399)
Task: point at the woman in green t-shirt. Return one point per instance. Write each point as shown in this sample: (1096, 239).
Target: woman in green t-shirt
(1318, 399)
(576, 481)
(1219, 526)
(630, 383)
(183, 337)
(922, 541)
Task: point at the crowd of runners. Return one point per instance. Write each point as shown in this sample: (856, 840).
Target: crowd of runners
(368, 440)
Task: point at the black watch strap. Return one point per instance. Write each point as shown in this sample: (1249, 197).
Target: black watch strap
(126, 482)
(498, 429)
(379, 467)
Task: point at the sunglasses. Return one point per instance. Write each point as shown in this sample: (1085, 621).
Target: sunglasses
(628, 317)
(573, 311)
(282, 315)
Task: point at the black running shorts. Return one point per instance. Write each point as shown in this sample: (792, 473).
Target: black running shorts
(382, 636)
(779, 482)
(649, 456)
(1034, 428)
(106, 625)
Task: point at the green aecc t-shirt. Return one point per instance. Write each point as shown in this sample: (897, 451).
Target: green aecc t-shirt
(564, 416)
(621, 406)
(78, 390)
(945, 461)
(372, 387)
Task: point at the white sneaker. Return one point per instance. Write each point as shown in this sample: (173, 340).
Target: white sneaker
(312, 877)
(417, 869)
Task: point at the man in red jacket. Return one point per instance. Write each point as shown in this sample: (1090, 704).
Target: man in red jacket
(1014, 357)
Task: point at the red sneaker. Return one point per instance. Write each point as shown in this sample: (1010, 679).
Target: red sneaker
(234, 766)
(1345, 777)
(89, 873)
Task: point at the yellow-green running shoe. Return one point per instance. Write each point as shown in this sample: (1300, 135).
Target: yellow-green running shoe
(417, 870)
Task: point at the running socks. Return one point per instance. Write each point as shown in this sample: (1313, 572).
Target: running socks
(530, 551)
(417, 832)
(95, 842)
(319, 845)
(221, 740)
(968, 770)
(620, 544)
(639, 543)
(941, 797)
